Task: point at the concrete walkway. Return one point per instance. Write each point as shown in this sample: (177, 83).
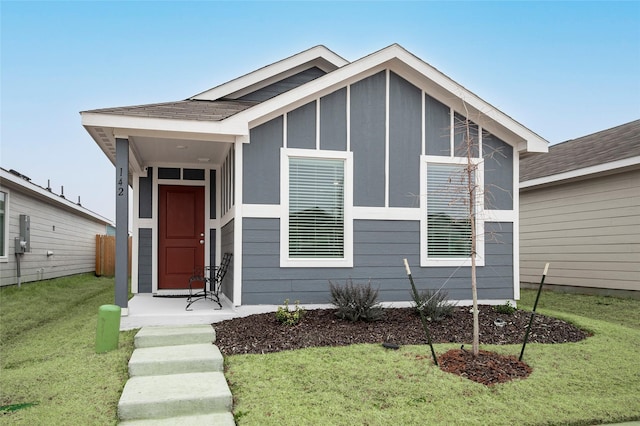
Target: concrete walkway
(176, 378)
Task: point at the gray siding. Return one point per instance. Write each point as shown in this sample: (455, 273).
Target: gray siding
(284, 85)
(379, 248)
(301, 127)
(465, 133)
(71, 238)
(212, 194)
(405, 142)
(498, 173)
(145, 251)
(261, 164)
(368, 111)
(588, 230)
(227, 247)
(379, 245)
(333, 121)
(145, 196)
(437, 127)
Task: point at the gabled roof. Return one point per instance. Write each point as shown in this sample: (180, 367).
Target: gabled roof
(227, 112)
(319, 57)
(418, 72)
(605, 150)
(17, 181)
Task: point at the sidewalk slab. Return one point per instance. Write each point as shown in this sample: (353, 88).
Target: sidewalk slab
(162, 360)
(176, 335)
(175, 395)
(218, 419)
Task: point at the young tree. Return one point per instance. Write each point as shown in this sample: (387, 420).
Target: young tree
(472, 194)
(463, 190)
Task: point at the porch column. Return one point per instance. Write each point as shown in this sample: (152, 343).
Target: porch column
(122, 224)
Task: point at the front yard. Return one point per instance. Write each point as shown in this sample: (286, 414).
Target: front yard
(50, 374)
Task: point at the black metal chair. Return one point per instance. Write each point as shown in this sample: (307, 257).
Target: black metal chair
(211, 277)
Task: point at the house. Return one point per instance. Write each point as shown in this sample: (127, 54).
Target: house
(313, 169)
(58, 235)
(580, 211)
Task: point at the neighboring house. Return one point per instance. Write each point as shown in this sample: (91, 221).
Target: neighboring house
(580, 211)
(315, 169)
(59, 235)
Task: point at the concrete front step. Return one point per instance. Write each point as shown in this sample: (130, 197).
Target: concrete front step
(171, 336)
(218, 419)
(175, 395)
(178, 359)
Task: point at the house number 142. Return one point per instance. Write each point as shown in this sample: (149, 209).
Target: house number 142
(120, 185)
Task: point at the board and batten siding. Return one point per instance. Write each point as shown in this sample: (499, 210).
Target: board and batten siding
(588, 230)
(71, 238)
(380, 120)
(379, 250)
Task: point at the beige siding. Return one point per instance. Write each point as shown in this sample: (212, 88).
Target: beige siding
(70, 237)
(588, 230)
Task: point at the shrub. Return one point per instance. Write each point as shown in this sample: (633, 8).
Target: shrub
(287, 317)
(356, 301)
(434, 304)
(506, 309)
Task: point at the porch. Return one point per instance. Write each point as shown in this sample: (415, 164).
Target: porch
(145, 309)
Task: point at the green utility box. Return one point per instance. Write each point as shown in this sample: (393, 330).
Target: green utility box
(108, 331)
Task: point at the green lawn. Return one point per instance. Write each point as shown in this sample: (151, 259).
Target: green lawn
(49, 371)
(50, 374)
(590, 382)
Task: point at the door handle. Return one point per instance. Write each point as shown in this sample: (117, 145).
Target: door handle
(201, 241)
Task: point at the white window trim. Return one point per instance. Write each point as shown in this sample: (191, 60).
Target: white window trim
(480, 243)
(285, 260)
(5, 258)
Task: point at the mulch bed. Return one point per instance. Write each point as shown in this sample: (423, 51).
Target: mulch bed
(262, 333)
(487, 368)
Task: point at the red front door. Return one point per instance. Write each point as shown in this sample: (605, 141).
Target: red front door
(180, 234)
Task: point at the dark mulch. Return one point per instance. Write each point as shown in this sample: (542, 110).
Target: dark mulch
(487, 368)
(262, 333)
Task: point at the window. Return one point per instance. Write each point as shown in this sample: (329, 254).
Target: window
(3, 224)
(316, 226)
(446, 225)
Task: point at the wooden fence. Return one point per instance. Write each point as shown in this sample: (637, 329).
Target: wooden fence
(106, 255)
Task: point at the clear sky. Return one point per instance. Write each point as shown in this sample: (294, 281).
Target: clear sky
(562, 69)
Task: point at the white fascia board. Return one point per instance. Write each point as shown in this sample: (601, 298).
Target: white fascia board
(323, 58)
(165, 125)
(534, 142)
(579, 173)
(392, 56)
(10, 180)
(316, 88)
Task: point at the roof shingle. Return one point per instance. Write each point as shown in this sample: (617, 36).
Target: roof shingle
(195, 110)
(598, 148)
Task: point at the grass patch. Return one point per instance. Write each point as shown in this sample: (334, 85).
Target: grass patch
(589, 382)
(49, 369)
(615, 310)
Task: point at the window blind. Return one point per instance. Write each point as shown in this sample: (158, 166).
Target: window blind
(448, 224)
(316, 208)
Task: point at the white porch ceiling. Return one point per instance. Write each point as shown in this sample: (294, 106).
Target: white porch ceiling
(177, 151)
